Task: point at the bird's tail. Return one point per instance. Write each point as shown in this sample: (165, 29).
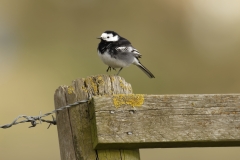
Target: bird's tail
(145, 70)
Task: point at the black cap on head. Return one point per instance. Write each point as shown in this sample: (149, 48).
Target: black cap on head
(113, 33)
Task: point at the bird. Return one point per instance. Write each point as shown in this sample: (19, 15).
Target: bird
(117, 52)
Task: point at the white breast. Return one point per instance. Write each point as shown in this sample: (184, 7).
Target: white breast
(112, 62)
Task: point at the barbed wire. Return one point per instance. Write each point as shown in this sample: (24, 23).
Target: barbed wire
(33, 119)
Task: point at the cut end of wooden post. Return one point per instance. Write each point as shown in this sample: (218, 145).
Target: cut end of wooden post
(105, 85)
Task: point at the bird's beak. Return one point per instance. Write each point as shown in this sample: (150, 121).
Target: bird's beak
(99, 38)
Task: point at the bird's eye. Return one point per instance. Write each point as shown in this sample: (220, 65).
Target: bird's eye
(107, 37)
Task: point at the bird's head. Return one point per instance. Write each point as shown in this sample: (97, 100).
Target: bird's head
(109, 36)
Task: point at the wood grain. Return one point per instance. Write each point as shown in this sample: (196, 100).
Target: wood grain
(74, 124)
(167, 121)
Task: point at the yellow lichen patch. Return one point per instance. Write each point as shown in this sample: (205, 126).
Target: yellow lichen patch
(94, 86)
(100, 80)
(133, 100)
(121, 84)
(84, 89)
(70, 89)
(91, 83)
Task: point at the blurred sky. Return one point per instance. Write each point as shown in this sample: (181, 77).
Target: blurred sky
(191, 46)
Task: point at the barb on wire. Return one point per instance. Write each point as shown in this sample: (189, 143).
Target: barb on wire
(33, 119)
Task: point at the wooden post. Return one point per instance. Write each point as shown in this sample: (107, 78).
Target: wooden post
(74, 124)
(117, 123)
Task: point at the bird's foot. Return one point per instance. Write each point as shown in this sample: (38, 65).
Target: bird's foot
(110, 68)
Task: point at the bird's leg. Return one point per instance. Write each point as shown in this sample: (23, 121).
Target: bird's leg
(119, 71)
(109, 68)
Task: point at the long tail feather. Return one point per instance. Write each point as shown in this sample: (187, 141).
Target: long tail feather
(145, 70)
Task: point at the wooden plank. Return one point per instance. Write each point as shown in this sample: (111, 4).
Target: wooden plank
(74, 124)
(166, 121)
(63, 118)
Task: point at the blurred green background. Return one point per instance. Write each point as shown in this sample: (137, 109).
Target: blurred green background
(191, 46)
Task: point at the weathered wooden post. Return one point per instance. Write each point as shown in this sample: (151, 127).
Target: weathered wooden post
(116, 123)
(74, 124)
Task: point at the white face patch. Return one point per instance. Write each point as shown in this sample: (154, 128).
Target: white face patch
(109, 37)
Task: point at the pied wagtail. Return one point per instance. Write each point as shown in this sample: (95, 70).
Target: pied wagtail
(117, 52)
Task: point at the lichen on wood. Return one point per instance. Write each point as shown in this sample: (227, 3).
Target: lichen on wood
(134, 100)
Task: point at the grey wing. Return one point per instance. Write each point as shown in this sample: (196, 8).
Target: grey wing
(129, 50)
